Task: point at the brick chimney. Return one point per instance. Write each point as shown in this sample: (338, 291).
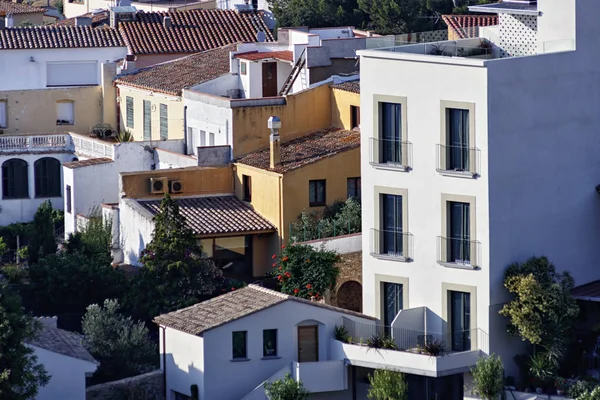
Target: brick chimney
(274, 125)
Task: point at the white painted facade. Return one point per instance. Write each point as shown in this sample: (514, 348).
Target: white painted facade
(535, 189)
(67, 375)
(136, 226)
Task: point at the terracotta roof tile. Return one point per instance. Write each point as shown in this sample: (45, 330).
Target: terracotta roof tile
(19, 8)
(87, 163)
(305, 150)
(214, 215)
(285, 55)
(351, 86)
(98, 19)
(466, 25)
(192, 31)
(62, 342)
(232, 306)
(58, 37)
(173, 76)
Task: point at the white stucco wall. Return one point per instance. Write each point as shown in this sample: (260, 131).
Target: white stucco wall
(19, 73)
(136, 227)
(183, 356)
(67, 381)
(209, 114)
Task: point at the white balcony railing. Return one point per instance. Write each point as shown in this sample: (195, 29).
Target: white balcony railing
(92, 147)
(34, 143)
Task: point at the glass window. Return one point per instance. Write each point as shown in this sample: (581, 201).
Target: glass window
(457, 139)
(202, 138)
(68, 196)
(458, 232)
(47, 177)
(164, 122)
(15, 179)
(247, 186)
(129, 111)
(269, 342)
(390, 138)
(243, 66)
(353, 187)
(65, 113)
(391, 224)
(147, 120)
(317, 193)
(3, 115)
(460, 320)
(392, 301)
(211, 139)
(239, 345)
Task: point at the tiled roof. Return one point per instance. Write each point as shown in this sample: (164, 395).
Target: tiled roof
(232, 306)
(214, 215)
(305, 150)
(191, 31)
(466, 25)
(351, 86)
(87, 163)
(98, 19)
(587, 291)
(173, 76)
(284, 55)
(58, 37)
(62, 342)
(19, 8)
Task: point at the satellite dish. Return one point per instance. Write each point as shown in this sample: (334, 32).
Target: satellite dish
(260, 36)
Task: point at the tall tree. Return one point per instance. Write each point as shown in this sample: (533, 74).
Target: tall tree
(316, 13)
(43, 241)
(386, 385)
(20, 375)
(173, 273)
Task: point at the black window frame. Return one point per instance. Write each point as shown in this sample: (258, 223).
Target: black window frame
(68, 198)
(272, 339)
(354, 185)
(457, 139)
(47, 177)
(247, 188)
(15, 183)
(459, 237)
(314, 199)
(242, 352)
(390, 133)
(129, 112)
(392, 224)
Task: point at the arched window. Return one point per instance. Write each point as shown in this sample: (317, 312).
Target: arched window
(15, 179)
(47, 177)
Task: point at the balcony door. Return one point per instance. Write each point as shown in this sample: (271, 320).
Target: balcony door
(457, 139)
(392, 302)
(390, 149)
(460, 320)
(459, 233)
(391, 224)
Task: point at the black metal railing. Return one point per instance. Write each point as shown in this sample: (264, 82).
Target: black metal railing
(459, 251)
(392, 243)
(391, 152)
(458, 159)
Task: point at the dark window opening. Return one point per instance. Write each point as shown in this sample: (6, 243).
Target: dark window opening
(457, 140)
(239, 345)
(269, 342)
(15, 179)
(390, 150)
(317, 193)
(355, 117)
(68, 196)
(47, 177)
(353, 188)
(247, 187)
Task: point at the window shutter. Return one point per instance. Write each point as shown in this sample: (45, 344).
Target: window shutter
(129, 111)
(147, 120)
(164, 122)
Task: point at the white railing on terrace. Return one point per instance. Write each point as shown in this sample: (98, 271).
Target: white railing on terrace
(92, 147)
(41, 143)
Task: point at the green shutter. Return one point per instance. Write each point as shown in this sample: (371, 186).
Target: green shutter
(129, 111)
(147, 120)
(164, 122)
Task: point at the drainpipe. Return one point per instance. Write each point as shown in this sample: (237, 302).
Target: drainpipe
(185, 138)
(164, 350)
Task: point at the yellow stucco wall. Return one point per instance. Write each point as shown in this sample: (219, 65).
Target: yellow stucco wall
(196, 181)
(335, 170)
(34, 111)
(174, 112)
(304, 112)
(341, 100)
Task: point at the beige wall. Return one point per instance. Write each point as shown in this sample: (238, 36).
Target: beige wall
(304, 112)
(196, 181)
(34, 111)
(341, 100)
(33, 18)
(175, 113)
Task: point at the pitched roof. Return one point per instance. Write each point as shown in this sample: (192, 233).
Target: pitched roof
(191, 31)
(466, 25)
(589, 291)
(216, 215)
(284, 55)
(19, 8)
(62, 342)
(350, 86)
(173, 76)
(231, 306)
(98, 19)
(87, 163)
(305, 150)
(58, 37)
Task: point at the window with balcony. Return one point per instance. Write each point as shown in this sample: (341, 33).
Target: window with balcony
(147, 120)
(317, 193)
(129, 111)
(353, 188)
(460, 320)
(15, 179)
(459, 232)
(239, 345)
(164, 122)
(457, 154)
(392, 300)
(65, 112)
(390, 147)
(47, 177)
(270, 343)
(391, 224)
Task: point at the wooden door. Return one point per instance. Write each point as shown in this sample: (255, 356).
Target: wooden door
(269, 79)
(308, 343)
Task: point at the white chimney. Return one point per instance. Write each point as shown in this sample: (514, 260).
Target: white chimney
(274, 125)
(167, 23)
(10, 21)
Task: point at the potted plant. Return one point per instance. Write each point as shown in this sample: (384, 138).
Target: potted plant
(541, 369)
(561, 386)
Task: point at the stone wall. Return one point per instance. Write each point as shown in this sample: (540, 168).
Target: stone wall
(348, 290)
(141, 387)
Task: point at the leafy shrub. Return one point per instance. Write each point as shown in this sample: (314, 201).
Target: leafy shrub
(594, 394)
(286, 389)
(341, 333)
(434, 347)
(340, 218)
(578, 389)
(14, 274)
(386, 385)
(487, 377)
(381, 341)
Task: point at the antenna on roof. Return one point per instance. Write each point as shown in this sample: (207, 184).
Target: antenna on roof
(261, 37)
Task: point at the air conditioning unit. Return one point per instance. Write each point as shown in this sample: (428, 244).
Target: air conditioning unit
(158, 185)
(175, 186)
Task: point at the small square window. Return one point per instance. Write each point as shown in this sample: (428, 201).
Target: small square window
(243, 66)
(270, 343)
(239, 345)
(65, 111)
(353, 188)
(316, 193)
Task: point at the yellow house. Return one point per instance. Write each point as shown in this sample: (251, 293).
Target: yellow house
(149, 100)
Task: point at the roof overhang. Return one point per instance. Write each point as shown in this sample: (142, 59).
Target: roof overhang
(519, 8)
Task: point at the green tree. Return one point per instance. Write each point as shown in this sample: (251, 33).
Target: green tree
(488, 377)
(316, 13)
(20, 375)
(387, 385)
(340, 218)
(121, 345)
(286, 389)
(42, 241)
(303, 271)
(392, 17)
(173, 273)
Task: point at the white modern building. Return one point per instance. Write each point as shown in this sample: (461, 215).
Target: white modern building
(478, 153)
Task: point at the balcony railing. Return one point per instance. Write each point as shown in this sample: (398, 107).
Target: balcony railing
(459, 252)
(392, 153)
(392, 244)
(92, 147)
(458, 160)
(34, 143)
